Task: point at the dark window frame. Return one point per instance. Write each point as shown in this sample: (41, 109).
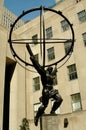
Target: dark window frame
(72, 72)
(49, 32)
(77, 102)
(36, 83)
(35, 39)
(51, 53)
(64, 25)
(82, 16)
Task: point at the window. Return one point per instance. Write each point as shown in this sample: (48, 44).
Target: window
(51, 54)
(49, 33)
(76, 102)
(67, 47)
(82, 16)
(84, 38)
(64, 25)
(72, 72)
(35, 39)
(35, 107)
(36, 83)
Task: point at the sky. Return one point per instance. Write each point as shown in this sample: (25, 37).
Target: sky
(18, 6)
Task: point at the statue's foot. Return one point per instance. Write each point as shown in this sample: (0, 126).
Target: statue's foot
(53, 112)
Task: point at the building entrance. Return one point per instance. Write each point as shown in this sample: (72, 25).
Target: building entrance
(10, 66)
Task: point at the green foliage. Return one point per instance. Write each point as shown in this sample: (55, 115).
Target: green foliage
(25, 124)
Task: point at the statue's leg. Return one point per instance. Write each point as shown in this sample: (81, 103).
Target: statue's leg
(58, 100)
(39, 113)
(45, 100)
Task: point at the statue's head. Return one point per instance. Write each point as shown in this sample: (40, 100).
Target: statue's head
(50, 69)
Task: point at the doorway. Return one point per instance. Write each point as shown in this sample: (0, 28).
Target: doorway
(9, 70)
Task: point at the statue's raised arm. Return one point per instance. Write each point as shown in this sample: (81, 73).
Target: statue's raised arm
(36, 65)
(55, 70)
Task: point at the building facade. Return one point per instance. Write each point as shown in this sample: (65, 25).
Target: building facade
(8, 18)
(25, 85)
(1, 6)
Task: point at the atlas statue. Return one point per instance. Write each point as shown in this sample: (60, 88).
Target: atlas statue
(47, 76)
(47, 72)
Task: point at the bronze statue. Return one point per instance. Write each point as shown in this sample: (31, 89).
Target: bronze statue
(46, 75)
(48, 92)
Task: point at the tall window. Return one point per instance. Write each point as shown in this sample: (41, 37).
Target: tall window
(76, 102)
(35, 39)
(64, 25)
(36, 83)
(84, 38)
(82, 16)
(72, 72)
(67, 47)
(49, 33)
(51, 54)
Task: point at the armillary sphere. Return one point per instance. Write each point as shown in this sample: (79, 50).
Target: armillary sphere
(42, 40)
